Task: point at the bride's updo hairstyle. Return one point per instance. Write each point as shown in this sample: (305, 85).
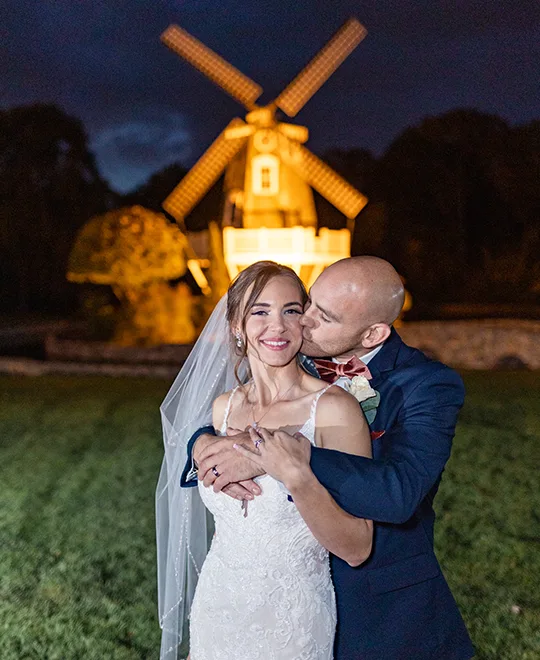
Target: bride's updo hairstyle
(246, 289)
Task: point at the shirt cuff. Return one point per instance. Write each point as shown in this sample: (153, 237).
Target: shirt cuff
(192, 474)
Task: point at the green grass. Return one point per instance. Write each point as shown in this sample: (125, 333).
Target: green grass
(488, 530)
(78, 466)
(79, 459)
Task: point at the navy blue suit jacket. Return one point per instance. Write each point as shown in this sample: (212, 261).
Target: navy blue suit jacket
(397, 605)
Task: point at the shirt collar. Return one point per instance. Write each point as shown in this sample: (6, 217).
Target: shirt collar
(368, 356)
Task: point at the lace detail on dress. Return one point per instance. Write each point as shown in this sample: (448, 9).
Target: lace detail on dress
(265, 591)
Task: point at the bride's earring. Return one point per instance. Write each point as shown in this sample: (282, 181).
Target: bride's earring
(238, 340)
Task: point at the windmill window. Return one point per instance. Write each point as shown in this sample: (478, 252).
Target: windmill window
(265, 174)
(265, 177)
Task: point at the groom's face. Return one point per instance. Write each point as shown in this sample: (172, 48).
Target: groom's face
(333, 322)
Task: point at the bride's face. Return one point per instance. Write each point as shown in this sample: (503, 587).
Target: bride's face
(273, 330)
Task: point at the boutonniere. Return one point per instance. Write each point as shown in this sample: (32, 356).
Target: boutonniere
(362, 391)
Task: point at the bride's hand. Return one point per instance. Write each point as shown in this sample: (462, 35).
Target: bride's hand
(283, 456)
(230, 467)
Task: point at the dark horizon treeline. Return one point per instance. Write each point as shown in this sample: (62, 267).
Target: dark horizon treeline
(454, 205)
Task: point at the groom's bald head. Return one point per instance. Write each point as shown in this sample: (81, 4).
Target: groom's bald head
(370, 281)
(353, 303)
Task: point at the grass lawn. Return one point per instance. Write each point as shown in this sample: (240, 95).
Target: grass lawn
(79, 459)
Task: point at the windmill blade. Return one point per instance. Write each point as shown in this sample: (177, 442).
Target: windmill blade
(202, 176)
(223, 74)
(321, 67)
(327, 182)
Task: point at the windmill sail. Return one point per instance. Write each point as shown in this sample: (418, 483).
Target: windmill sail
(202, 176)
(328, 183)
(223, 74)
(308, 170)
(321, 67)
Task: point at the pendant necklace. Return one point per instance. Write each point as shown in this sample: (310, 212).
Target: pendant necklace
(278, 398)
(257, 421)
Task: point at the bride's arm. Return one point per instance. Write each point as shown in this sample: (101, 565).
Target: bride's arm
(341, 425)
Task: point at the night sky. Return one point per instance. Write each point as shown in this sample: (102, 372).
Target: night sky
(144, 107)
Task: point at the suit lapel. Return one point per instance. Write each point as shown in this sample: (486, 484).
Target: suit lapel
(308, 365)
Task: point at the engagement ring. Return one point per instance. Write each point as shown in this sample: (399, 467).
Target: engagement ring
(214, 470)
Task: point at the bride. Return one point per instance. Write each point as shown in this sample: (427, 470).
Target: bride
(264, 589)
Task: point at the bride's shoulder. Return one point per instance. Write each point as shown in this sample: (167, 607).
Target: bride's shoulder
(219, 407)
(221, 402)
(335, 401)
(341, 423)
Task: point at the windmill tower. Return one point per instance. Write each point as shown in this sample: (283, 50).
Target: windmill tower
(269, 173)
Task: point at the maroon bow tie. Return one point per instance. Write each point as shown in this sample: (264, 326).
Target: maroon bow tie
(331, 371)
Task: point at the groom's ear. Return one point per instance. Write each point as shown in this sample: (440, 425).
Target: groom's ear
(375, 335)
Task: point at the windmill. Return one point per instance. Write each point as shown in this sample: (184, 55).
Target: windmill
(269, 173)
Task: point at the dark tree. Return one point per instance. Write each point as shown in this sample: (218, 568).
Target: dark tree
(462, 205)
(153, 193)
(50, 187)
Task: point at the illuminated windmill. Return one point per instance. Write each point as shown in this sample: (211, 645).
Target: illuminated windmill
(269, 206)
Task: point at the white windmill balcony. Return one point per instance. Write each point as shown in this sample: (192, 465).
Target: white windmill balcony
(298, 247)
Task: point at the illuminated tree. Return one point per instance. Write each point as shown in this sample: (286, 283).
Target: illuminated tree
(137, 252)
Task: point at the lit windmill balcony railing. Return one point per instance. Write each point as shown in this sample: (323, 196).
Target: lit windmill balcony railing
(297, 247)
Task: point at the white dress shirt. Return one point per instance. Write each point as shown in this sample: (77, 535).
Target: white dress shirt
(367, 357)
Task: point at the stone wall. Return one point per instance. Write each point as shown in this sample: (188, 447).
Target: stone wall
(28, 367)
(479, 344)
(78, 350)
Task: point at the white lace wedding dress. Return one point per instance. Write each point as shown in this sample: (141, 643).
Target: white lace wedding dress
(264, 592)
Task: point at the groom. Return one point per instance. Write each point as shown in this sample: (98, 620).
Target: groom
(397, 605)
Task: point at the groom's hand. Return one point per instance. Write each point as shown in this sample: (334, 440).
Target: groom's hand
(202, 443)
(235, 471)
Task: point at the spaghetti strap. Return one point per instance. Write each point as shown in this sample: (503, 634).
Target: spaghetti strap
(309, 426)
(223, 429)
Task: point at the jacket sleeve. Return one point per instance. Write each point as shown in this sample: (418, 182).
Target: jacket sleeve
(188, 479)
(414, 453)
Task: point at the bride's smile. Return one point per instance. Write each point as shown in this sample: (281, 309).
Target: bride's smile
(275, 344)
